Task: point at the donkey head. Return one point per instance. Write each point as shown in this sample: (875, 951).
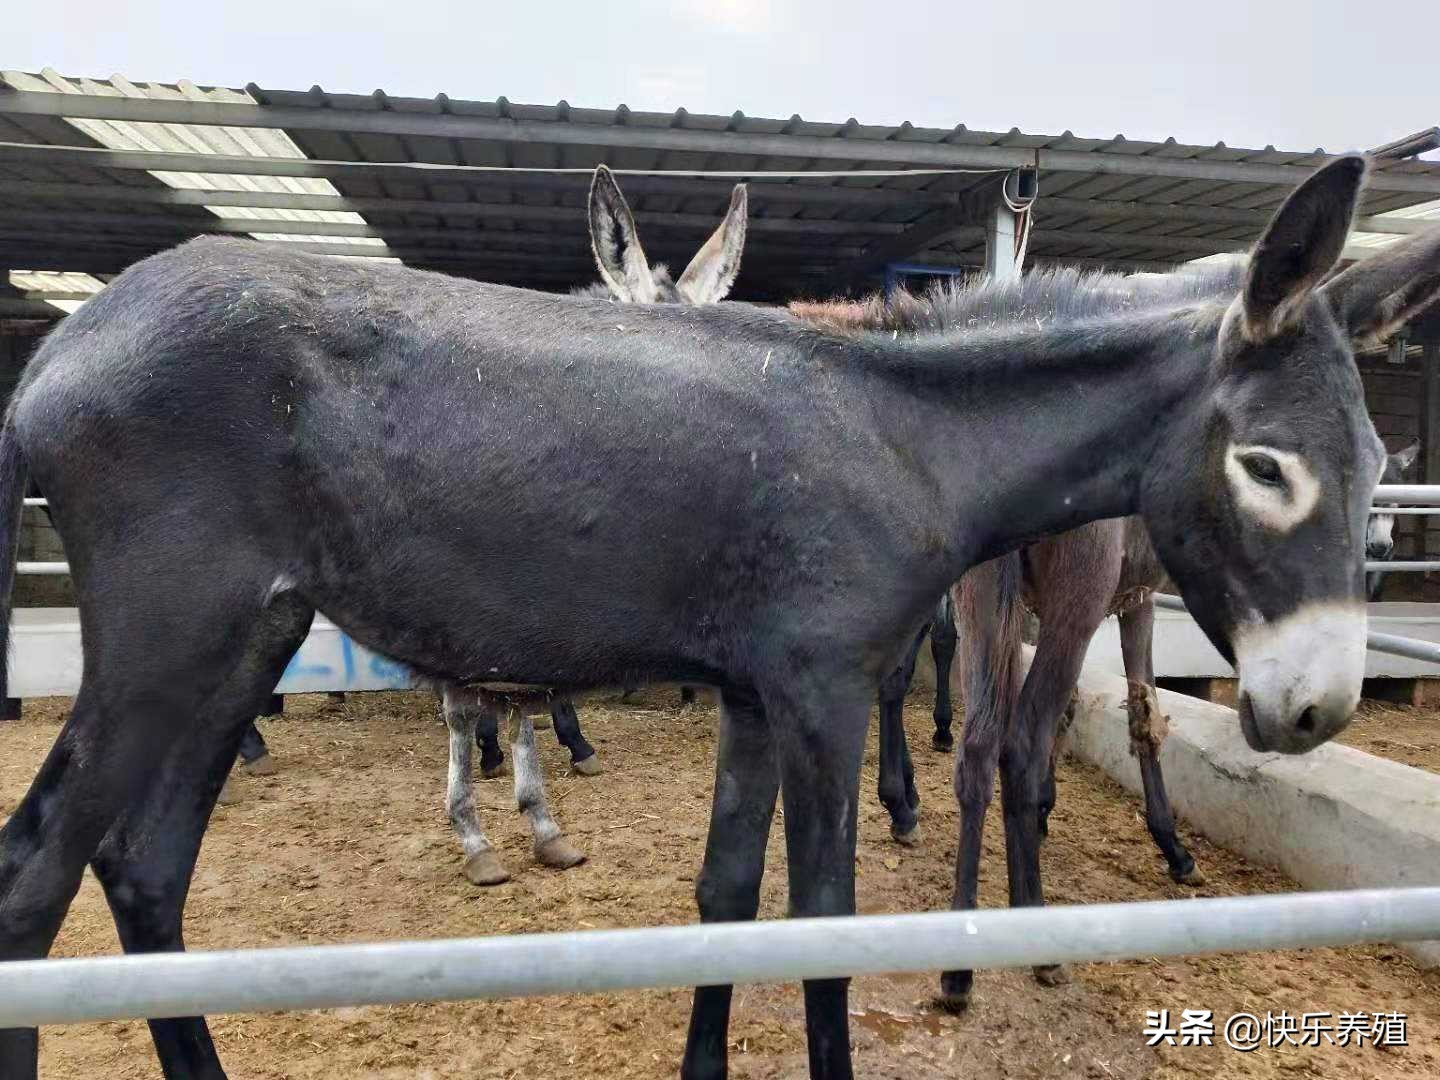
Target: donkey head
(1380, 538)
(628, 273)
(1259, 498)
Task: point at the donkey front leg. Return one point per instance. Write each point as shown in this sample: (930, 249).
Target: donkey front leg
(728, 888)
(254, 754)
(463, 712)
(821, 740)
(551, 848)
(487, 734)
(1147, 732)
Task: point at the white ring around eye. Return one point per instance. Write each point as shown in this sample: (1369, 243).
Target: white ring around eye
(1277, 507)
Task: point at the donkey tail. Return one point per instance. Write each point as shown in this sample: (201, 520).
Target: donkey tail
(990, 621)
(12, 502)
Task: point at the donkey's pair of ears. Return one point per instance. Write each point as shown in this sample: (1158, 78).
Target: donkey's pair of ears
(1403, 459)
(622, 260)
(1303, 242)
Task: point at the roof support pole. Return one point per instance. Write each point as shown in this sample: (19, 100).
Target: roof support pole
(1006, 225)
(1429, 433)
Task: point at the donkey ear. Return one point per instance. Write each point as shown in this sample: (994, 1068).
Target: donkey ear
(1405, 458)
(1298, 248)
(711, 273)
(1376, 297)
(616, 244)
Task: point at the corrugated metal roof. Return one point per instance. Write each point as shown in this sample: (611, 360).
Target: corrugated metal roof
(199, 140)
(1113, 201)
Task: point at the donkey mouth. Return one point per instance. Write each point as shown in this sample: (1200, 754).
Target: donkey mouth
(1248, 727)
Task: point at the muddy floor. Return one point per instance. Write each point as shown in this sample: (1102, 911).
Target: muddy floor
(349, 842)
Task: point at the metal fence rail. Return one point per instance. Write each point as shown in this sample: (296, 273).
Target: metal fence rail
(34, 992)
(1393, 644)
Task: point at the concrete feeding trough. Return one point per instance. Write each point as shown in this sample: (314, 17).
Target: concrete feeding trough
(1335, 818)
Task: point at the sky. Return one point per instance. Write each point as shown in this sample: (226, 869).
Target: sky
(1296, 74)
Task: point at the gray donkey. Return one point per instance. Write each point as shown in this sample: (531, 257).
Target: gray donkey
(472, 711)
(717, 495)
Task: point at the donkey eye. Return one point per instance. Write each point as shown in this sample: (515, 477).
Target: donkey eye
(1264, 468)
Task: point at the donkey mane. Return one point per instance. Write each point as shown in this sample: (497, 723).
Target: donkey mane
(1052, 298)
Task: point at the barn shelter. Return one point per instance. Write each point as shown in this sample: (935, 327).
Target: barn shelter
(96, 174)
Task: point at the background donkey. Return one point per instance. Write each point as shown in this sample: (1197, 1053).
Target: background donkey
(1071, 581)
(1380, 540)
(628, 276)
(749, 541)
(473, 713)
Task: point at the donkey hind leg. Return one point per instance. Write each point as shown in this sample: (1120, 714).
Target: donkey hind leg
(1027, 756)
(141, 690)
(464, 710)
(583, 758)
(551, 847)
(747, 779)
(1147, 732)
(942, 650)
(987, 608)
(146, 860)
(897, 771)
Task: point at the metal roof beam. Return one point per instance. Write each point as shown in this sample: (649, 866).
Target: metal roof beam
(445, 125)
(155, 234)
(21, 244)
(24, 308)
(163, 231)
(932, 230)
(1204, 215)
(761, 192)
(568, 215)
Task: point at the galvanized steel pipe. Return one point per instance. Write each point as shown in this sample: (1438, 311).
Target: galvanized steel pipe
(34, 992)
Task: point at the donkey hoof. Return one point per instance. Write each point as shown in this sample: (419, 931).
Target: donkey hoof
(541, 722)
(228, 794)
(906, 838)
(1052, 974)
(1192, 877)
(589, 766)
(485, 868)
(942, 743)
(491, 772)
(264, 765)
(955, 991)
(559, 853)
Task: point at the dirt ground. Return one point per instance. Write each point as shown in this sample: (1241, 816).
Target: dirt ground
(1404, 733)
(349, 842)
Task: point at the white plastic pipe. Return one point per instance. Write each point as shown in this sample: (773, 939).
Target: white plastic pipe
(34, 992)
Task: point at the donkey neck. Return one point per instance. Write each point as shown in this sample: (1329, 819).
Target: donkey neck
(1034, 432)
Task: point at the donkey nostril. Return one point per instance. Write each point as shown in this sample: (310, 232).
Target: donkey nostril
(1306, 724)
